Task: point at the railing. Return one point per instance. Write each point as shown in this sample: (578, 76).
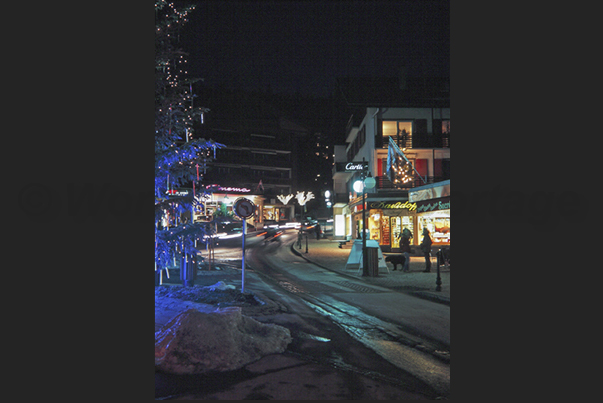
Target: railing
(423, 141)
(383, 182)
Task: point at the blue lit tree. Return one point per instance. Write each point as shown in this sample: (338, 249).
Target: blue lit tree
(180, 160)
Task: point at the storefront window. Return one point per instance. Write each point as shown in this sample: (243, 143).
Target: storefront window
(386, 228)
(438, 224)
(407, 222)
(397, 225)
(374, 225)
(396, 230)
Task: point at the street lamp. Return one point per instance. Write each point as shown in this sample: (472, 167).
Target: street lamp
(366, 181)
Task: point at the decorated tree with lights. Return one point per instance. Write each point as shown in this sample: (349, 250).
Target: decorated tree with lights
(179, 159)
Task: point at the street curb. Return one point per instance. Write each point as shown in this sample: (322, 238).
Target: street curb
(430, 297)
(418, 294)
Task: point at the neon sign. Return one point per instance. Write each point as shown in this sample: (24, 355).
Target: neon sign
(434, 205)
(350, 166)
(355, 166)
(177, 192)
(218, 188)
(398, 205)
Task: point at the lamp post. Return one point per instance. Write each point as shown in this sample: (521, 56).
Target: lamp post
(359, 186)
(366, 182)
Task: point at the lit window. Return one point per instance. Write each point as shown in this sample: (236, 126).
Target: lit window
(400, 131)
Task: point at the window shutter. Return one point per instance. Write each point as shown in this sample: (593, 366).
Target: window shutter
(421, 166)
(437, 167)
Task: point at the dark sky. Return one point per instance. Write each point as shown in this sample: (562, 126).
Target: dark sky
(303, 46)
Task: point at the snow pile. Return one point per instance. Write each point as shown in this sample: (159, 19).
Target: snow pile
(196, 342)
(220, 285)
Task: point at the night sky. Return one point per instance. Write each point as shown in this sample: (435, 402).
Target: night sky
(303, 46)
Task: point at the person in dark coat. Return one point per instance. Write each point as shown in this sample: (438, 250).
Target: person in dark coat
(317, 231)
(405, 248)
(426, 248)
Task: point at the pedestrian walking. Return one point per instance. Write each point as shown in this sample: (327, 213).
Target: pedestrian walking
(426, 248)
(405, 248)
(317, 231)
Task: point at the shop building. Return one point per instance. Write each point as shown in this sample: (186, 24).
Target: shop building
(223, 198)
(386, 220)
(405, 143)
(268, 210)
(433, 210)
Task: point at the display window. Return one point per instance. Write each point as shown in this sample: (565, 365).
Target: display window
(438, 224)
(387, 229)
(397, 225)
(374, 225)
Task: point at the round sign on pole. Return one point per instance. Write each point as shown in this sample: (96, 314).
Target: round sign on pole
(244, 208)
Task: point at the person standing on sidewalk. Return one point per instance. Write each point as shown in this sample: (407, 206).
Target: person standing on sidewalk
(426, 248)
(317, 228)
(405, 248)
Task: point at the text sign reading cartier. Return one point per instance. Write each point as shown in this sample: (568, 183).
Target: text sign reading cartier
(351, 166)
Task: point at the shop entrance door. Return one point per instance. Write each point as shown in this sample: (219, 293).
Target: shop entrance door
(395, 230)
(407, 222)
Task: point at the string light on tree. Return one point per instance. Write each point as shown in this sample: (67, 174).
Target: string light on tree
(177, 161)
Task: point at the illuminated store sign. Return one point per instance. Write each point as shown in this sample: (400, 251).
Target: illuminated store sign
(433, 205)
(351, 166)
(393, 205)
(218, 188)
(178, 192)
(182, 194)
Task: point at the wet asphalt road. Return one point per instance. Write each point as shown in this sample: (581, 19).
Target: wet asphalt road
(410, 334)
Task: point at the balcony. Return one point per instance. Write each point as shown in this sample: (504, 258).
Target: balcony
(384, 184)
(422, 141)
(431, 141)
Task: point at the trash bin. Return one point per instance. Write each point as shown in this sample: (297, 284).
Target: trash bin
(373, 261)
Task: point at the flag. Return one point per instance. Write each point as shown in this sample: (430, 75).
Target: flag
(393, 152)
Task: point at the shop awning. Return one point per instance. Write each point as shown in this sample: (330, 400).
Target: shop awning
(431, 191)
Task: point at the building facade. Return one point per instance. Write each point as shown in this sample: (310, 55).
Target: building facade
(261, 158)
(405, 147)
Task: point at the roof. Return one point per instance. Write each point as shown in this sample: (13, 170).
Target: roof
(395, 91)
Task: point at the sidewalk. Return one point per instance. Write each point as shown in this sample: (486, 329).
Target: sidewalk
(327, 254)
